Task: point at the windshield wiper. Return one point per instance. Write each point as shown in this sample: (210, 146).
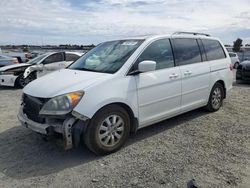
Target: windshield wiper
(84, 69)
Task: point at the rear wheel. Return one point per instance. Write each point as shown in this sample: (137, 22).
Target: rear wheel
(108, 130)
(215, 98)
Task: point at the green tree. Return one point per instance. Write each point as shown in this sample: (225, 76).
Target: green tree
(237, 45)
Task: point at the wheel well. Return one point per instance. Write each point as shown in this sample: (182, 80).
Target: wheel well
(224, 87)
(133, 120)
(236, 63)
(18, 77)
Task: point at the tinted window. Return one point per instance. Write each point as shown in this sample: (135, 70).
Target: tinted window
(71, 57)
(202, 50)
(159, 51)
(54, 58)
(186, 51)
(232, 55)
(213, 49)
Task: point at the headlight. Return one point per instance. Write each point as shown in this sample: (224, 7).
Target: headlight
(62, 104)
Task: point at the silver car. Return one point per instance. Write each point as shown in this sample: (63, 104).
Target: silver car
(6, 60)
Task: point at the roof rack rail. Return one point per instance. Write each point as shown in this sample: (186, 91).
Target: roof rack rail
(190, 33)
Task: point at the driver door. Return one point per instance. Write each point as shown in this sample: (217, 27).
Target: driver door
(159, 91)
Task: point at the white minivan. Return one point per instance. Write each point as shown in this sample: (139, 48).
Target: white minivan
(123, 85)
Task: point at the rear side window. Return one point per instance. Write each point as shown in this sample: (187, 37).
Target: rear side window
(232, 55)
(159, 51)
(71, 57)
(186, 51)
(213, 49)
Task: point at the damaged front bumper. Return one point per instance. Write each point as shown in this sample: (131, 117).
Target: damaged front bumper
(7, 80)
(71, 128)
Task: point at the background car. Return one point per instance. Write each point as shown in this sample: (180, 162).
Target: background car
(13, 75)
(234, 59)
(52, 62)
(6, 60)
(243, 71)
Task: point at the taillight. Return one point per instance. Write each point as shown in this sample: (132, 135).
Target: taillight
(231, 67)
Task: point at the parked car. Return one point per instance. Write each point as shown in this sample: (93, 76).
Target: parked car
(123, 85)
(6, 60)
(53, 61)
(37, 67)
(234, 59)
(243, 71)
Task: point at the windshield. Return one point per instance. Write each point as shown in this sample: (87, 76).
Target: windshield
(37, 59)
(107, 57)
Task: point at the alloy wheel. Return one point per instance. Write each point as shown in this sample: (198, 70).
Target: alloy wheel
(111, 130)
(216, 98)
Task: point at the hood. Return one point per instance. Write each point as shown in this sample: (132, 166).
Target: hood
(61, 82)
(245, 62)
(9, 67)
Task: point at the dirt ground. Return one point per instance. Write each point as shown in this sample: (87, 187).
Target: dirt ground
(212, 148)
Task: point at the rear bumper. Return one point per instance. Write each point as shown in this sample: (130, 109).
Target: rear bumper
(7, 80)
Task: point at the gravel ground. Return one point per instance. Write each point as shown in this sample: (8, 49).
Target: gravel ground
(212, 148)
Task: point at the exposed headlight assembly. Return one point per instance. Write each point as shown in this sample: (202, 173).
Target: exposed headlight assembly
(62, 104)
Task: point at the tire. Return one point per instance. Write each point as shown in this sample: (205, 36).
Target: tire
(101, 136)
(20, 81)
(30, 77)
(236, 65)
(216, 98)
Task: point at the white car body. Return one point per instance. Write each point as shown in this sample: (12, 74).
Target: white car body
(234, 59)
(42, 69)
(9, 79)
(151, 96)
(39, 68)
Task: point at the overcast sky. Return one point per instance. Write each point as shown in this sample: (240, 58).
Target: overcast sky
(84, 21)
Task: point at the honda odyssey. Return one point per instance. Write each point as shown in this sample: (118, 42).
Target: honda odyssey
(123, 85)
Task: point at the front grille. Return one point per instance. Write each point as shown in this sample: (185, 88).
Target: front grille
(32, 107)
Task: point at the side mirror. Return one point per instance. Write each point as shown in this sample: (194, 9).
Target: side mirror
(146, 66)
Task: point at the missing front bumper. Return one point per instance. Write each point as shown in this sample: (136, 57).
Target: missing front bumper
(71, 129)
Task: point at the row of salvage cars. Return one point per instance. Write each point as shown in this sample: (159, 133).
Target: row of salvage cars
(20, 74)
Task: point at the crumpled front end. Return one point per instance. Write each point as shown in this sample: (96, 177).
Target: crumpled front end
(68, 126)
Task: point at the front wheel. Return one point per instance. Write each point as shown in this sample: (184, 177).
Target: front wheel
(20, 81)
(215, 98)
(108, 130)
(30, 78)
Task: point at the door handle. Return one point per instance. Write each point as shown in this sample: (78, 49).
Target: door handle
(173, 76)
(187, 73)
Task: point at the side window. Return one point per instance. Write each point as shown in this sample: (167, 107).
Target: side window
(71, 57)
(186, 51)
(202, 50)
(232, 55)
(213, 49)
(159, 51)
(57, 57)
